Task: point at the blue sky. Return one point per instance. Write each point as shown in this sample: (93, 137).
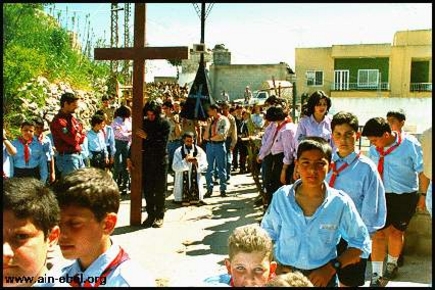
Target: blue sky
(264, 32)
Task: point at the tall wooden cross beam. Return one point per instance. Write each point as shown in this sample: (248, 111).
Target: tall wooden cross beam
(139, 53)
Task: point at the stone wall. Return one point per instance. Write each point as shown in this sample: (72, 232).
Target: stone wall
(418, 235)
(41, 89)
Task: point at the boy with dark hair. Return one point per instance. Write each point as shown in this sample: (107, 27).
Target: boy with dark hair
(30, 219)
(356, 175)
(396, 119)
(307, 219)
(89, 203)
(48, 146)
(30, 160)
(400, 164)
(109, 137)
(96, 144)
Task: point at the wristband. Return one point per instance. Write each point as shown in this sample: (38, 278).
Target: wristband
(423, 193)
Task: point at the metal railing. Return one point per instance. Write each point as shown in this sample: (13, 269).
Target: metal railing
(420, 87)
(358, 87)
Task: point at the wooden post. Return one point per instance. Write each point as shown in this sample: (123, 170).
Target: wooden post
(139, 53)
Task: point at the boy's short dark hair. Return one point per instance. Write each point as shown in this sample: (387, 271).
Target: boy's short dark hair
(97, 119)
(376, 127)
(69, 98)
(91, 188)
(399, 115)
(342, 117)
(168, 104)
(275, 113)
(29, 198)
(28, 122)
(315, 143)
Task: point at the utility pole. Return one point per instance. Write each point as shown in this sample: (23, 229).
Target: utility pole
(126, 67)
(201, 60)
(114, 39)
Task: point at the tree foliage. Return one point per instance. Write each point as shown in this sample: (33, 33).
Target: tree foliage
(35, 45)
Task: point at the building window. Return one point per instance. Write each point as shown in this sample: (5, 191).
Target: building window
(368, 78)
(341, 80)
(314, 77)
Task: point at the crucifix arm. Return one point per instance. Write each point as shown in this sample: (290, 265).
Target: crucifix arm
(128, 53)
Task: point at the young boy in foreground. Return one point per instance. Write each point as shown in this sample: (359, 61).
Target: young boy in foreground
(30, 218)
(250, 261)
(89, 203)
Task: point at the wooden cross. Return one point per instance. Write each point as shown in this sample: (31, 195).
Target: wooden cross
(139, 53)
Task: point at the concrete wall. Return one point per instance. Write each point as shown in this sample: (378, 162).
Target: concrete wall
(418, 111)
(234, 78)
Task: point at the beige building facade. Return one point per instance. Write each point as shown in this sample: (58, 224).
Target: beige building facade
(402, 69)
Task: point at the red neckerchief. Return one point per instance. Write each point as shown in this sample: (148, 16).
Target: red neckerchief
(26, 148)
(335, 171)
(287, 120)
(383, 153)
(120, 258)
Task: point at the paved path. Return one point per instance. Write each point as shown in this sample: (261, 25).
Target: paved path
(192, 244)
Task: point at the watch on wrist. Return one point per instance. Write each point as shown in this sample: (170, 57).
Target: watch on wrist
(336, 264)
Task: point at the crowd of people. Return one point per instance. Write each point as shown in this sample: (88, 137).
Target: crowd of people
(328, 207)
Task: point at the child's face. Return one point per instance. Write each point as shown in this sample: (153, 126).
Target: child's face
(24, 249)
(98, 127)
(81, 235)
(250, 269)
(38, 130)
(344, 139)
(27, 132)
(312, 167)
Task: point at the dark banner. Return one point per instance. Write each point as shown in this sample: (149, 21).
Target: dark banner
(199, 97)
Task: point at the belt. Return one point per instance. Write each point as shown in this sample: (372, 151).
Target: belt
(216, 142)
(68, 153)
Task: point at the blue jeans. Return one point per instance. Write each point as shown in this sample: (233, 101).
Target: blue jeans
(229, 156)
(120, 172)
(216, 153)
(69, 162)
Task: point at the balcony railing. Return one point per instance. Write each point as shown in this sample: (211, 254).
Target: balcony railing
(421, 87)
(358, 87)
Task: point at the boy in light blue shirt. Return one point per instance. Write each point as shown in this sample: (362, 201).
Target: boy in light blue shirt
(357, 175)
(95, 143)
(307, 219)
(30, 160)
(400, 163)
(89, 201)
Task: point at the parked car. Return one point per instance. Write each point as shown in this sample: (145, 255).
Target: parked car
(258, 97)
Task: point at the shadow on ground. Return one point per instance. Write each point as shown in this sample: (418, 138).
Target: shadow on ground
(236, 212)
